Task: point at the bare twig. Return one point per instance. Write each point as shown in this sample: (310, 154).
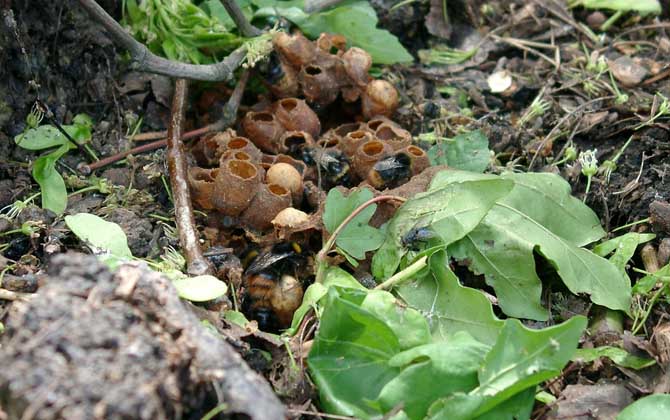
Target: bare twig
(145, 60)
(229, 114)
(246, 28)
(196, 263)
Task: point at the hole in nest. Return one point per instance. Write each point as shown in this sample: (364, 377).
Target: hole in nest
(345, 129)
(238, 143)
(374, 124)
(373, 148)
(277, 189)
(386, 132)
(357, 135)
(262, 116)
(294, 141)
(289, 104)
(334, 50)
(313, 70)
(242, 168)
(416, 151)
(329, 143)
(242, 156)
(204, 175)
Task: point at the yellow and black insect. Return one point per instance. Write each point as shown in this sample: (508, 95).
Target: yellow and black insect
(333, 166)
(272, 292)
(391, 171)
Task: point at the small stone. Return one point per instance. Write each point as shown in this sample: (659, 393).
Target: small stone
(659, 213)
(627, 71)
(596, 19)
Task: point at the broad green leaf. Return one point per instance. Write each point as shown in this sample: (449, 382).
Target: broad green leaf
(539, 215)
(652, 407)
(623, 246)
(618, 355)
(450, 307)
(523, 357)
(357, 237)
(520, 359)
(455, 204)
(107, 238)
(451, 366)
(200, 288)
(349, 360)
(52, 186)
(334, 276)
(640, 6)
(48, 136)
(467, 151)
(518, 407)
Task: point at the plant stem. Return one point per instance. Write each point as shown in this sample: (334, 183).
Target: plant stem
(403, 275)
(145, 60)
(246, 29)
(588, 187)
(321, 256)
(632, 224)
(196, 263)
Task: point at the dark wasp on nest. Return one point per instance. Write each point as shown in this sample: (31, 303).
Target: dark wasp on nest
(273, 292)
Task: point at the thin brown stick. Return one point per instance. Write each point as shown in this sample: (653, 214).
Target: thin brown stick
(145, 60)
(246, 28)
(228, 117)
(196, 263)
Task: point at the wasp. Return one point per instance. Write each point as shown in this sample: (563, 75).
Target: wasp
(391, 171)
(416, 236)
(272, 295)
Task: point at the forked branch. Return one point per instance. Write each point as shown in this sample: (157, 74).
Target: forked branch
(145, 60)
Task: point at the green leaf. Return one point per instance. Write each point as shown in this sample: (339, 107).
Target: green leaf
(200, 288)
(647, 283)
(356, 20)
(651, 407)
(520, 359)
(52, 186)
(107, 238)
(451, 366)
(357, 237)
(467, 151)
(450, 307)
(619, 356)
(236, 318)
(358, 335)
(48, 136)
(623, 246)
(640, 6)
(454, 205)
(540, 215)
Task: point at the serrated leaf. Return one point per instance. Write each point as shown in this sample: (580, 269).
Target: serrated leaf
(357, 237)
(651, 407)
(107, 238)
(540, 215)
(349, 360)
(52, 186)
(467, 151)
(454, 205)
(450, 307)
(618, 355)
(200, 288)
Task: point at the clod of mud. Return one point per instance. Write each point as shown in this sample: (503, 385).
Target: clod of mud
(95, 345)
(582, 402)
